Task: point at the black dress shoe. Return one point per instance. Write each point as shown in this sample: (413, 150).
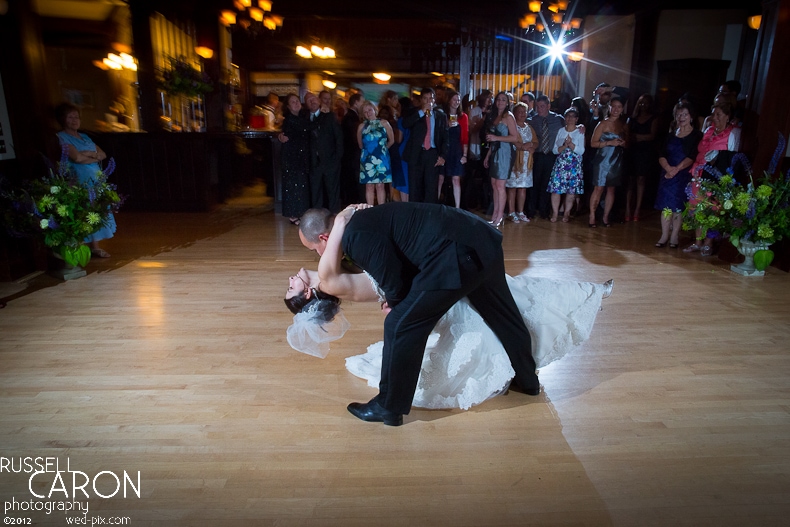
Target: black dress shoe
(375, 413)
(532, 390)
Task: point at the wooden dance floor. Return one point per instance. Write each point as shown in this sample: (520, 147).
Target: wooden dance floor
(170, 360)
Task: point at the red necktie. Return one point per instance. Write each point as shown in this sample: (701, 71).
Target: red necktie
(426, 144)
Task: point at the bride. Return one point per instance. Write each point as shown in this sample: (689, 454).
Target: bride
(464, 362)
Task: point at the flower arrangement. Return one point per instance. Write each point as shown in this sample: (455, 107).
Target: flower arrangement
(62, 209)
(184, 79)
(757, 212)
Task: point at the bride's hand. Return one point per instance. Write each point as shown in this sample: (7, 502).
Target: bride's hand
(385, 308)
(344, 215)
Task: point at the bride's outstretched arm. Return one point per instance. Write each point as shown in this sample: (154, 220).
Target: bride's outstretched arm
(335, 280)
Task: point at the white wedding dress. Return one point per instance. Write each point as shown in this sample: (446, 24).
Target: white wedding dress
(465, 363)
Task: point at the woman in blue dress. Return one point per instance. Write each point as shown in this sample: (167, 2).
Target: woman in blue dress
(84, 158)
(400, 178)
(610, 138)
(676, 160)
(375, 137)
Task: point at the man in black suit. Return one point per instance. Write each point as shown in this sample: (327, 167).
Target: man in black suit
(426, 148)
(349, 173)
(326, 148)
(426, 257)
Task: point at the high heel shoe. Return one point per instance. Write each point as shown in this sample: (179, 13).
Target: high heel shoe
(691, 248)
(497, 223)
(608, 286)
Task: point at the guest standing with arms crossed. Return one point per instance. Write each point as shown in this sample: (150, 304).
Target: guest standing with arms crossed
(84, 158)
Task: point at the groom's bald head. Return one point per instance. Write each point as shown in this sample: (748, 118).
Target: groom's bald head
(314, 228)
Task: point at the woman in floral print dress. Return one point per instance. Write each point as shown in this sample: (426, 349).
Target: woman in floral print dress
(374, 136)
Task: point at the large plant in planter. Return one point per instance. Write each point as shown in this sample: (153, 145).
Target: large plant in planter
(60, 210)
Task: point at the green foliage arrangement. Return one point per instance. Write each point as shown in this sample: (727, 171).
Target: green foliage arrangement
(61, 210)
(184, 79)
(757, 212)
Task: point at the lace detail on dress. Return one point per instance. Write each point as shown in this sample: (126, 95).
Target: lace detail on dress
(559, 314)
(376, 288)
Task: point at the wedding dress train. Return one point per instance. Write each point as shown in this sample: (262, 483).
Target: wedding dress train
(464, 362)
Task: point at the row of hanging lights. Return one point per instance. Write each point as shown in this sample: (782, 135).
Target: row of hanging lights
(249, 16)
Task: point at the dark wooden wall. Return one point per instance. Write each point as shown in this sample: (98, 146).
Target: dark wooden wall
(186, 172)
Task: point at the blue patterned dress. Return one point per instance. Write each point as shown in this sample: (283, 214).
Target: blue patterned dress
(86, 175)
(567, 173)
(374, 160)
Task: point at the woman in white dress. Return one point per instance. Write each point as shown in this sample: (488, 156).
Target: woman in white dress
(464, 362)
(521, 176)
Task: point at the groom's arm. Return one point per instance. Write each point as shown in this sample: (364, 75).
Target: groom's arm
(377, 255)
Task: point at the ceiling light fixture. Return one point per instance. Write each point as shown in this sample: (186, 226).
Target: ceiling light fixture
(555, 17)
(315, 51)
(252, 18)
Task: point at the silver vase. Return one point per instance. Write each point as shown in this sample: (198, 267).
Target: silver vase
(747, 249)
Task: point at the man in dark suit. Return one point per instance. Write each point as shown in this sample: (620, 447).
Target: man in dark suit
(349, 173)
(426, 148)
(426, 257)
(326, 148)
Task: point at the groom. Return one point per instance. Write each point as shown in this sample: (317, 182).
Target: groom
(425, 257)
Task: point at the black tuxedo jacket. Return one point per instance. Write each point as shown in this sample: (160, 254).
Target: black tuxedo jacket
(326, 143)
(349, 125)
(441, 136)
(416, 246)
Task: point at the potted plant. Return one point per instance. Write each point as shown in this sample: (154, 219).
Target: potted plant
(752, 216)
(184, 85)
(61, 211)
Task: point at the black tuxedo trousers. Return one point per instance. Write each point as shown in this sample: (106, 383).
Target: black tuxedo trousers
(409, 324)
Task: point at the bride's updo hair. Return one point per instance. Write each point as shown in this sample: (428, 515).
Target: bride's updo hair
(325, 305)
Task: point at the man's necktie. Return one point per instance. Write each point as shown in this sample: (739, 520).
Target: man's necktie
(426, 144)
(544, 137)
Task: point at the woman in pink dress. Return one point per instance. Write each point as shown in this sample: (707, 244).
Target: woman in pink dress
(720, 141)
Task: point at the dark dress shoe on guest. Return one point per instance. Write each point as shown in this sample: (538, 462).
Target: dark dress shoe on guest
(373, 412)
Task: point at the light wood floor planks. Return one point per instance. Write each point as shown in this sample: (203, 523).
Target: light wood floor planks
(170, 359)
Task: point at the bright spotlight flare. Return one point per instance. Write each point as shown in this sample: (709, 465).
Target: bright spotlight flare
(557, 50)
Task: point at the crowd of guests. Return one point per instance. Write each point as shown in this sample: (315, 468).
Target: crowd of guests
(511, 160)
